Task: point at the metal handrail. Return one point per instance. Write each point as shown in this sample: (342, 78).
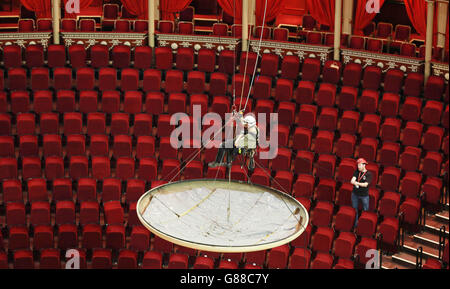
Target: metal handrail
(419, 257)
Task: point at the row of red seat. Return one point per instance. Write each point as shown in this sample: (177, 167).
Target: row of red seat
(269, 65)
(126, 259)
(311, 69)
(391, 178)
(319, 238)
(429, 112)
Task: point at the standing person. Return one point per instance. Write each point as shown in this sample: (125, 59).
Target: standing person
(361, 180)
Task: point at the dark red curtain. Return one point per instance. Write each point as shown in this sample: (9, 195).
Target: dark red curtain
(322, 11)
(362, 18)
(137, 7)
(274, 7)
(42, 8)
(417, 13)
(234, 9)
(83, 4)
(168, 8)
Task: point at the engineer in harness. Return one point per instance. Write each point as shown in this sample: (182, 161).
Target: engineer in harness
(245, 142)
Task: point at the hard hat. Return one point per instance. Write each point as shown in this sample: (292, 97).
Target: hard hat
(250, 120)
(361, 160)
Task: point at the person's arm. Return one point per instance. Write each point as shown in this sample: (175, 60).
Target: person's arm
(367, 182)
(353, 181)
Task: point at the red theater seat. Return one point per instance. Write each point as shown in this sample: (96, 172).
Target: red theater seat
(411, 210)
(366, 224)
(203, 263)
(17, 80)
(322, 214)
(411, 108)
(432, 188)
(174, 81)
(195, 82)
(278, 257)
(332, 72)
(390, 129)
(410, 184)
(324, 142)
(121, 56)
(307, 116)
(185, 58)
(349, 122)
(284, 89)
(304, 186)
(87, 189)
(346, 169)
(374, 45)
(311, 69)
(352, 75)
(139, 239)
(326, 95)
(269, 64)
(432, 138)
(67, 236)
(369, 101)
(247, 62)
(52, 145)
(345, 219)
(101, 167)
(145, 147)
(304, 161)
(129, 79)
(410, 158)
(412, 134)
(388, 154)
(389, 229)
(218, 84)
(226, 61)
(357, 42)
(389, 204)
(142, 57)
(431, 164)
(302, 138)
(178, 261)
(300, 259)
(389, 104)
(325, 166)
(322, 240)
(290, 66)
(43, 237)
(89, 214)
(325, 190)
(163, 58)
(344, 245)
(372, 77)
(413, 84)
(23, 259)
(434, 88)
(348, 97)
(432, 111)
(304, 93)
(370, 125)
(206, 60)
(12, 56)
(99, 56)
(345, 146)
(102, 259)
(152, 260)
